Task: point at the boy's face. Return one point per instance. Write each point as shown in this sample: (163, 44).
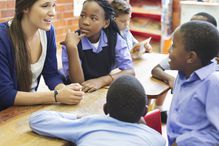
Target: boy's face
(92, 20)
(123, 21)
(177, 53)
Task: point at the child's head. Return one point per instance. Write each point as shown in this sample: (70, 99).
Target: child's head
(95, 16)
(205, 17)
(195, 43)
(122, 13)
(126, 100)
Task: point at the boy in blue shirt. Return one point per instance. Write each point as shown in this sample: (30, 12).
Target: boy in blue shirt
(193, 117)
(159, 70)
(126, 104)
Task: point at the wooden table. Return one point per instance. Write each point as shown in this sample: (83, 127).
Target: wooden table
(14, 128)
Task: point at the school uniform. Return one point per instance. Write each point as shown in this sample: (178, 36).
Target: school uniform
(193, 117)
(129, 38)
(8, 79)
(165, 64)
(95, 60)
(94, 130)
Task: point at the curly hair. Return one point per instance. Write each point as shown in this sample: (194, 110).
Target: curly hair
(126, 99)
(201, 37)
(121, 7)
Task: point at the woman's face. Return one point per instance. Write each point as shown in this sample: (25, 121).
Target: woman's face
(41, 14)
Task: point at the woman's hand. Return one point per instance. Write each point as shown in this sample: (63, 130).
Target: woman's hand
(70, 94)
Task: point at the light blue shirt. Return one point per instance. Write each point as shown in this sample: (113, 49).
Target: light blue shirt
(129, 38)
(123, 58)
(193, 118)
(96, 130)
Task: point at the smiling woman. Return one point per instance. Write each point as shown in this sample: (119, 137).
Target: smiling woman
(29, 51)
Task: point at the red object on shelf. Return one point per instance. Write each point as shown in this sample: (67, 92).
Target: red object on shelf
(147, 15)
(155, 37)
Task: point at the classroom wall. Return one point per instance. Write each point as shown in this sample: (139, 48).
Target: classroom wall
(64, 18)
(189, 8)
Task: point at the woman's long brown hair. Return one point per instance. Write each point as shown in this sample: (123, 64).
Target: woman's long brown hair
(22, 56)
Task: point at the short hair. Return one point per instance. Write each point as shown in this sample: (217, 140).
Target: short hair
(121, 7)
(209, 18)
(126, 99)
(201, 37)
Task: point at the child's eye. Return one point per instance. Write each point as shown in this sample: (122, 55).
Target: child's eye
(45, 5)
(93, 18)
(82, 15)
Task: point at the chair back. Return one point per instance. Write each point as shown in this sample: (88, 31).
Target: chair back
(153, 120)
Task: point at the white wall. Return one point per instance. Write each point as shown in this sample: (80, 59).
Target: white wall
(188, 9)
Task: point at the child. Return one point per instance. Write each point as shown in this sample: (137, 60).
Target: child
(193, 117)
(159, 70)
(125, 105)
(28, 51)
(93, 52)
(122, 18)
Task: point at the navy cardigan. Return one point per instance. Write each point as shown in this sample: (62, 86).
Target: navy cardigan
(8, 80)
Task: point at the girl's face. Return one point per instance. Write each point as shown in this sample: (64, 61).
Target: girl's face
(92, 20)
(177, 54)
(41, 14)
(123, 21)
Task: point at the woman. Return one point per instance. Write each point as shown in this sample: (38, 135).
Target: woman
(28, 50)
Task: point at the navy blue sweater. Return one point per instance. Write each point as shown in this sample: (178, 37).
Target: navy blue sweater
(8, 80)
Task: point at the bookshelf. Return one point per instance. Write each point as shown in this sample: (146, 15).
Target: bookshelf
(151, 18)
(146, 21)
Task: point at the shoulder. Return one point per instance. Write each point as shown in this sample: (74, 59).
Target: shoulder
(5, 41)
(3, 30)
(120, 39)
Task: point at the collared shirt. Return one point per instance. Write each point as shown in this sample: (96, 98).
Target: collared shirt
(123, 59)
(95, 130)
(193, 118)
(129, 38)
(165, 63)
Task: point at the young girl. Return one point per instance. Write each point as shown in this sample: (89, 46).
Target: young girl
(28, 50)
(96, 49)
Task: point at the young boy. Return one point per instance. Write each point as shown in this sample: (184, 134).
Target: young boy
(125, 105)
(193, 117)
(159, 70)
(122, 18)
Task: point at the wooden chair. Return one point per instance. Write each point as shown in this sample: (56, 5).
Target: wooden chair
(153, 120)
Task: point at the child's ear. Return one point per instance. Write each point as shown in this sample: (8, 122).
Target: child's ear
(105, 109)
(145, 111)
(191, 57)
(107, 23)
(26, 10)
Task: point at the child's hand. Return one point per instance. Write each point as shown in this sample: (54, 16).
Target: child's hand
(72, 39)
(148, 47)
(92, 85)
